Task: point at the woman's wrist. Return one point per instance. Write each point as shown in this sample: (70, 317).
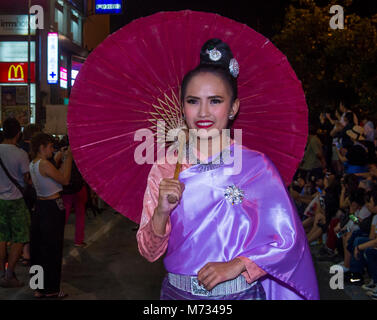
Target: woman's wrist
(159, 222)
(161, 213)
(66, 157)
(240, 264)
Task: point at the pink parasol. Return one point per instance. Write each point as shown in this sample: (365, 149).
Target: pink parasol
(133, 78)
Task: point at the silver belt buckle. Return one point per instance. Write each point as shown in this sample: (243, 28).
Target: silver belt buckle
(197, 289)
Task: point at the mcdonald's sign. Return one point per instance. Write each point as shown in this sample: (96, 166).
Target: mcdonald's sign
(16, 72)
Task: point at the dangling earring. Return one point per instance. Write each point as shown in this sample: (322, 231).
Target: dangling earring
(231, 117)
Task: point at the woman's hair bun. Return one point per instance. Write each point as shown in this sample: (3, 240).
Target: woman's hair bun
(216, 52)
(221, 53)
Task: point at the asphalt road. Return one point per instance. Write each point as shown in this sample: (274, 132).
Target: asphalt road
(111, 268)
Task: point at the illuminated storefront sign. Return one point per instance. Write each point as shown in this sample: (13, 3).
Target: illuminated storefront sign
(16, 51)
(16, 72)
(108, 6)
(15, 25)
(63, 77)
(52, 57)
(74, 74)
(76, 66)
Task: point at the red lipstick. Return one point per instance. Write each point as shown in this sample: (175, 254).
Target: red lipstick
(204, 124)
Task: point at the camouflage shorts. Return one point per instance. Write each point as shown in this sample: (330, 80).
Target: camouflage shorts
(14, 221)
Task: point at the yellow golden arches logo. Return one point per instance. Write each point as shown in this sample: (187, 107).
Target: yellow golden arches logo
(15, 69)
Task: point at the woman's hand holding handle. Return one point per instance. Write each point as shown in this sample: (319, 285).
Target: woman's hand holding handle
(170, 189)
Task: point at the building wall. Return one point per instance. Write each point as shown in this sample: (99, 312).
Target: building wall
(17, 8)
(70, 45)
(96, 27)
(73, 49)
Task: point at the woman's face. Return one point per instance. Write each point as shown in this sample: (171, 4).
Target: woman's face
(47, 151)
(207, 104)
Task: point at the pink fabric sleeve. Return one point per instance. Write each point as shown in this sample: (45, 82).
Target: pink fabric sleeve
(253, 272)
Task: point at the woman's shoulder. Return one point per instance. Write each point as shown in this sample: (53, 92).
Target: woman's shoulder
(45, 166)
(253, 160)
(250, 153)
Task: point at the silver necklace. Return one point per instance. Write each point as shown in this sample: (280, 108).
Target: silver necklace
(207, 166)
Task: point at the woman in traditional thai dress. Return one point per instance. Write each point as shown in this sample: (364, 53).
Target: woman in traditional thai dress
(233, 232)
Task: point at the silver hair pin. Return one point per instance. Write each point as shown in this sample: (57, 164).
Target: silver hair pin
(214, 54)
(234, 68)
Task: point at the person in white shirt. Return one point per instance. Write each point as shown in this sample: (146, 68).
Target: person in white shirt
(47, 224)
(14, 215)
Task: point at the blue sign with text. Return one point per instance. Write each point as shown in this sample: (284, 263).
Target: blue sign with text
(108, 6)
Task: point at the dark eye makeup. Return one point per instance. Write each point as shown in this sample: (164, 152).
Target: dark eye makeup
(216, 101)
(191, 101)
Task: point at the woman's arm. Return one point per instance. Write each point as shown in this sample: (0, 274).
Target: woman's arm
(337, 128)
(63, 175)
(58, 157)
(369, 244)
(365, 175)
(372, 233)
(328, 116)
(155, 227)
(214, 273)
(159, 222)
(343, 203)
(307, 198)
(152, 243)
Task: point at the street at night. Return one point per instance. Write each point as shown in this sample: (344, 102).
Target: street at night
(110, 268)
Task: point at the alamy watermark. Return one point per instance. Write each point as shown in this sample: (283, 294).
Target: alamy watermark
(37, 17)
(37, 280)
(337, 20)
(145, 151)
(337, 280)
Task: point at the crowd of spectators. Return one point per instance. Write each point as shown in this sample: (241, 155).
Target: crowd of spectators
(335, 191)
(39, 184)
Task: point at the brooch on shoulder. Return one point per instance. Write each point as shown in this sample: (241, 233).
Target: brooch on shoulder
(234, 194)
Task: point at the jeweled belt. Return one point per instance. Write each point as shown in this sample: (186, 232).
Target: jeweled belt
(191, 284)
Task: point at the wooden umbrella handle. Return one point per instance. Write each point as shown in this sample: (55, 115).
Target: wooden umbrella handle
(182, 138)
(172, 198)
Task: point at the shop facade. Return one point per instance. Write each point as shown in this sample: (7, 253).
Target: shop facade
(26, 88)
(17, 69)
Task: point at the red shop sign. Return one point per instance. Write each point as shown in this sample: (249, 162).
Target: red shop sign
(16, 72)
